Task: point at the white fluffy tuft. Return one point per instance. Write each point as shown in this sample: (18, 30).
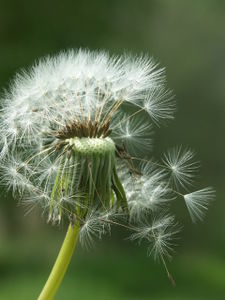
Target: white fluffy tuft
(180, 166)
(198, 202)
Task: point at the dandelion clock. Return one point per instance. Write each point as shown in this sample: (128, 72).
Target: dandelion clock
(76, 140)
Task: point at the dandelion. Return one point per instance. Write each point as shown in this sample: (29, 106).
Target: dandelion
(77, 139)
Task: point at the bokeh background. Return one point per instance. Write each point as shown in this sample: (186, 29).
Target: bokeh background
(188, 38)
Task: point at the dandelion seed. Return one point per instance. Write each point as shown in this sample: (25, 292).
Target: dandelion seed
(197, 202)
(160, 235)
(135, 134)
(160, 104)
(181, 166)
(91, 228)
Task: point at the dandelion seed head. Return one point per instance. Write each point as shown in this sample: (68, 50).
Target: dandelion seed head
(77, 140)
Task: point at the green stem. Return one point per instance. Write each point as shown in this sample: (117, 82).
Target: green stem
(61, 264)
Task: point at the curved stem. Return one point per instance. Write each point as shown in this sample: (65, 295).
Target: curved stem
(61, 263)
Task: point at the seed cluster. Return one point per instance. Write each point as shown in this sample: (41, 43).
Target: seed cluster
(91, 129)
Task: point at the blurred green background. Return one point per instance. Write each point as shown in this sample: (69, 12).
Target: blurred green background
(188, 38)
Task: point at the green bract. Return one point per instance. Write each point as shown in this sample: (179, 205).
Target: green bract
(88, 169)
